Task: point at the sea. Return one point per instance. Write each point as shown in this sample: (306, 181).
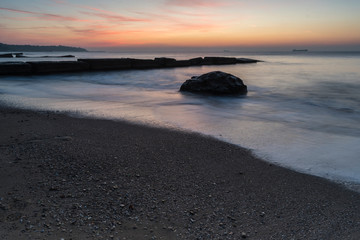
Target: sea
(302, 110)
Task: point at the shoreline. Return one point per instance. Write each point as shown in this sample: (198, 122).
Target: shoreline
(67, 177)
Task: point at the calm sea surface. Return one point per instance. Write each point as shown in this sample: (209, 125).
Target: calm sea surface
(302, 110)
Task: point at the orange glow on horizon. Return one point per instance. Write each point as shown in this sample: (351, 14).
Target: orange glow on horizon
(196, 23)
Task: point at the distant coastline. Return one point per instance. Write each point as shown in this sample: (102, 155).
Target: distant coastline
(33, 48)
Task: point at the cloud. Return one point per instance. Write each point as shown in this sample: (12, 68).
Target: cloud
(100, 30)
(45, 16)
(59, 1)
(190, 14)
(108, 15)
(104, 35)
(197, 27)
(28, 28)
(195, 3)
(114, 17)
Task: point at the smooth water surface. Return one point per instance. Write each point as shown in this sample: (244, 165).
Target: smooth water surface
(302, 110)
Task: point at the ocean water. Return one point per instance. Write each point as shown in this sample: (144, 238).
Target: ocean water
(302, 110)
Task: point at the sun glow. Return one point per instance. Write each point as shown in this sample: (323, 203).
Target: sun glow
(179, 23)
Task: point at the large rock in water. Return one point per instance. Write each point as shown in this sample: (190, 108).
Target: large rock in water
(216, 83)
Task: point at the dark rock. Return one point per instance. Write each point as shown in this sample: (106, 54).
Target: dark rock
(196, 61)
(219, 60)
(66, 56)
(6, 55)
(179, 63)
(216, 83)
(63, 56)
(15, 68)
(18, 54)
(144, 64)
(45, 67)
(246, 60)
(108, 63)
(62, 66)
(164, 62)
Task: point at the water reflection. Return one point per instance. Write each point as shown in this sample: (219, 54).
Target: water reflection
(301, 112)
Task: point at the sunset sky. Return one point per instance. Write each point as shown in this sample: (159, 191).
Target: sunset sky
(186, 23)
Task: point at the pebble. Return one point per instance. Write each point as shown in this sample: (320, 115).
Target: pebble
(79, 184)
(64, 138)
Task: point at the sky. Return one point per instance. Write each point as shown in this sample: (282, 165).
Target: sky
(226, 24)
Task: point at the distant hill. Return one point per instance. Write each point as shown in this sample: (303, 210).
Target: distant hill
(32, 48)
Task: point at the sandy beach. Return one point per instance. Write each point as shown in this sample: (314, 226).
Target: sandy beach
(73, 178)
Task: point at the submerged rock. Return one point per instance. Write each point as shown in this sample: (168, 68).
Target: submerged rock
(7, 55)
(164, 62)
(216, 83)
(46, 67)
(15, 68)
(103, 64)
(219, 60)
(18, 54)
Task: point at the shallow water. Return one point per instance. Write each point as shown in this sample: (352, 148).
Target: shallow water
(302, 110)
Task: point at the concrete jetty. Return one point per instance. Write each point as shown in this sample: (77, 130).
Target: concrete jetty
(106, 64)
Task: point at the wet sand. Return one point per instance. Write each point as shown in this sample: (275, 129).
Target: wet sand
(76, 178)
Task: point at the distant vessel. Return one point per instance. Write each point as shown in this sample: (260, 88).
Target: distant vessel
(299, 50)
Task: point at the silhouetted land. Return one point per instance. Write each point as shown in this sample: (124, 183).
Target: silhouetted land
(32, 48)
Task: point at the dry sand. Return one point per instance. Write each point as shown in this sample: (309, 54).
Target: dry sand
(72, 178)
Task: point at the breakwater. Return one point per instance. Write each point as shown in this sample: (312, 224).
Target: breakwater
(106, 64)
